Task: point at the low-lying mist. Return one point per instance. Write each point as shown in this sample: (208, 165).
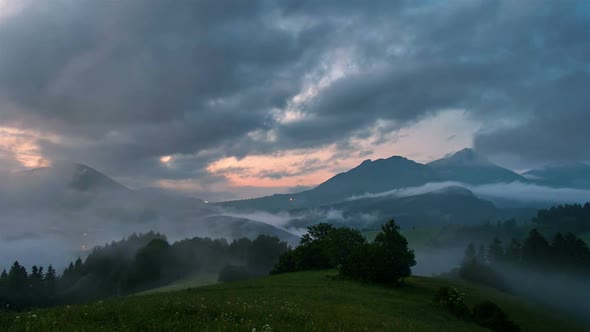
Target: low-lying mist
(45, 220)
(564, 292)
(434, 261)
(498, 192)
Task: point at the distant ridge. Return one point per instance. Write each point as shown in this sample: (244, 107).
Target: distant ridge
(381, 175)
(368, 177)
(576, 175)
(468, 166)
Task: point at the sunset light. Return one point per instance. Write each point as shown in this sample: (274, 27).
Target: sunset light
(21, 146)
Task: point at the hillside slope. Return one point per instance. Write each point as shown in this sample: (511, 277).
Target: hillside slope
(306, 301)
(450, 205)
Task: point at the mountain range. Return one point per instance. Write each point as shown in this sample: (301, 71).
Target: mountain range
(465, 166)
(419, 194)
(70, 199)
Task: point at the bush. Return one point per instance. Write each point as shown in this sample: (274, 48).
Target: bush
(231, 273)
(264, 253)
(287, 263)
(386, 260)
(486, 314)
(489, 315)
(323, 247)
(452, 300)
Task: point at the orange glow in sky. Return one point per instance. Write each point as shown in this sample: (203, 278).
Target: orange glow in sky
(427, 140)
(22, 147)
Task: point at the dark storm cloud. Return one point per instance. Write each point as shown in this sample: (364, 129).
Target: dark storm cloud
(502, 61)
(143, 79)
(125, 83)
(557, 129)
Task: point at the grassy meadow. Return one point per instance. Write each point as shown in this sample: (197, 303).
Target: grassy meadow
(304, 301)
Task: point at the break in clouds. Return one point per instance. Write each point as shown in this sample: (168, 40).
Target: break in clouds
(119, 85)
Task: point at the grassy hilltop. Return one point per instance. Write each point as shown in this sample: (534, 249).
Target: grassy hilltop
(304, 301)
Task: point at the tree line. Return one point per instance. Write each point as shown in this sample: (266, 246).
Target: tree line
(385, 260)
(19, 288)
(565, 254)
(137, 263)
(573, 218)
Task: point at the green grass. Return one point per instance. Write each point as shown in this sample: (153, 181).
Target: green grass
(189, 282)
(305, 301)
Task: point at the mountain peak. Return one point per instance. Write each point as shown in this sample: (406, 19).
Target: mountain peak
(366, 162)
(468, 166)
(465, 157)
(74, 176)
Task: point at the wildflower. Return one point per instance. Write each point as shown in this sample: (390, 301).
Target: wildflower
(34, 316)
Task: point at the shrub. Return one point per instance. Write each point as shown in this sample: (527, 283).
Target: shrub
(486, 314)
(386, 260)
(489, 315)
(287, 263)
(323, 247)
(452, 300)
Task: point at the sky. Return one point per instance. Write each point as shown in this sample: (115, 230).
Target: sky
(231, 99)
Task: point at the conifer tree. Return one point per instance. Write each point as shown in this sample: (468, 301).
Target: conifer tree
(481, 254)
(535, 249)
(495, 251)
(50, 280)
(513, 251)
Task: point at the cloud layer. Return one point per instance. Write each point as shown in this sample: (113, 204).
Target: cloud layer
(119, 85)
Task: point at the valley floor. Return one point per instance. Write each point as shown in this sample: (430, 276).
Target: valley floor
(305, 301)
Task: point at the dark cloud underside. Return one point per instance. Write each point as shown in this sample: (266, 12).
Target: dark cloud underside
(126, 82)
